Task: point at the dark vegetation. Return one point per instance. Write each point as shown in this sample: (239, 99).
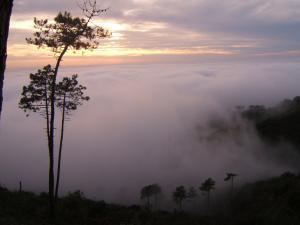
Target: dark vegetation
(206, 187)
(179, 195)
(151, 193)
(274, 201)
(278, 123)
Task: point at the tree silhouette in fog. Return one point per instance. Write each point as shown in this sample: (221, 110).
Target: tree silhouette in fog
(5, 13)
(179, 195)
(206, 187)
(69, 95)
(156, 192)
(65, 33)
(230, 177)
(191, 194)
(150, 191)
(36, 96)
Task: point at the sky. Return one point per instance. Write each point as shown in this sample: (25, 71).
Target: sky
(169, 31)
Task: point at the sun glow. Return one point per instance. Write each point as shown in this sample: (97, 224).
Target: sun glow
(127, 40)
(21, 25)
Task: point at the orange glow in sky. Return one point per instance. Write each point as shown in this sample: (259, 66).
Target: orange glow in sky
(119, 45)
(147, 28)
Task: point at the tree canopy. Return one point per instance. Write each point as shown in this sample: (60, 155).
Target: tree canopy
(67, 32)
(179, 195)
(207, 185)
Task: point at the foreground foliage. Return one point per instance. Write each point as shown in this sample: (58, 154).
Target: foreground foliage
(274, 201)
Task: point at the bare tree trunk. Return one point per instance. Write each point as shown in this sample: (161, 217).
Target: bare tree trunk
(20, 187)
(60, 147)
(51, 137)
(148, 202)
(231, 189)
(156, 202)
(180, 205)
(5, 12)
(47, 111)
(208, 202)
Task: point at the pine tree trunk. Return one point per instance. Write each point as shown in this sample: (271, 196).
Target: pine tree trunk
(208, 202)
(5, 12)
(156, 201)
(232, 186)
(148, 202)
(51, 137)
(20, 187)
(60, 148)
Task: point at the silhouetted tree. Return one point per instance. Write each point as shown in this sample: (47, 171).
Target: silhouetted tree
(5, 13)
(146, 193)
(69, 95)
(206, 187)
(191, 194)
(230, 177)
(152, 190)
(66, 33)
(156, 189)
(36, 96)
(179, 195)
(20, 186)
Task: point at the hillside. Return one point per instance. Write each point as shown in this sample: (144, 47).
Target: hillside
(278, 123)
(274, 201)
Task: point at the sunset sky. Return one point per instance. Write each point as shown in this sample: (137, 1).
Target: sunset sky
(169, 30)
(171, 70)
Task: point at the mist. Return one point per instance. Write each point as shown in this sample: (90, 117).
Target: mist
(150, 123)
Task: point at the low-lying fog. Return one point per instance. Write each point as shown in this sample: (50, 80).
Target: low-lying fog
(147, 124)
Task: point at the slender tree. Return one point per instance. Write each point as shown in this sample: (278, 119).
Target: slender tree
(191, 194)
(66, 33)
(20, 187)
(230, 177)
(179, 195)
(5, 13)
(149, 192)
(69, 95)
(207, 186)
(146, 193)
(156, 189)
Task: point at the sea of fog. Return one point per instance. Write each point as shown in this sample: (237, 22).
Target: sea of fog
(146, 124)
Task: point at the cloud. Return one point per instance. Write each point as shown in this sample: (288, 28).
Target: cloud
(259, 21)
(232, 27)
(142, 126)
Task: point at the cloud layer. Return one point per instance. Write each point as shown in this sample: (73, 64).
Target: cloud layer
(150, 123)
(202, 27)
